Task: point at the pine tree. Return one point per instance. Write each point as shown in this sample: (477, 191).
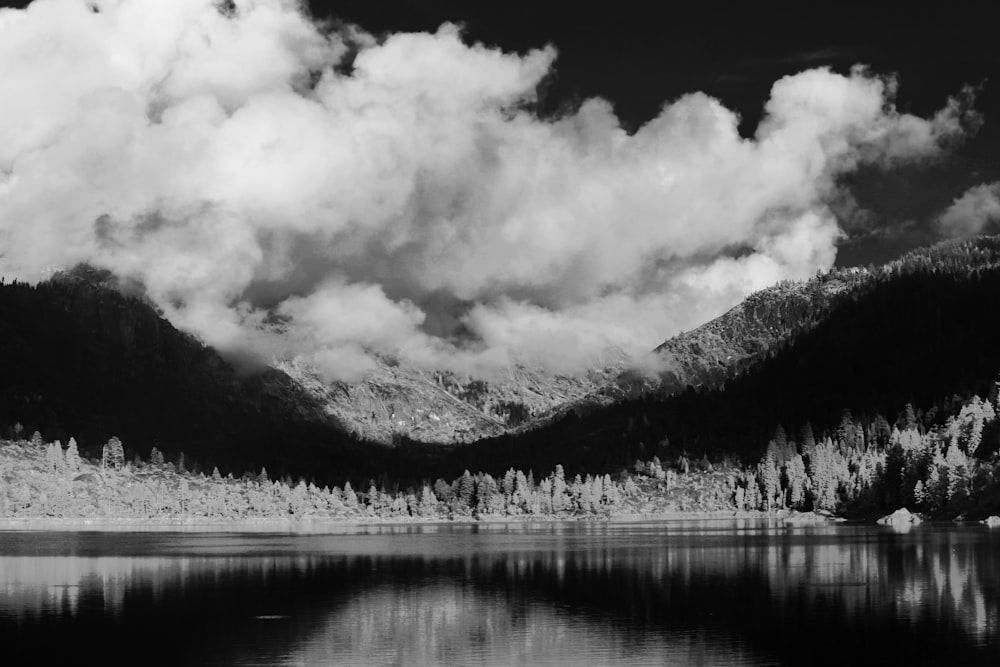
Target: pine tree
(957, 473)
(807, 441)
(428, 504)
(442, 490)
(486, 492)
(113, 454)
(54, 459)
(350, 497)
(466, 488)
(780, 438)
(612, 495)
(375, 503)
(797, 480)
(908, 420)
(545, 493)
(507, 485)
(72, 456)
(770, 478)
(560, 497)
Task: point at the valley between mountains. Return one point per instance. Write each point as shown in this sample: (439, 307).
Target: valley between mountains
(89, 358)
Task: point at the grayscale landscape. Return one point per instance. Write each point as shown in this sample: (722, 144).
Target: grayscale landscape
(446, 333)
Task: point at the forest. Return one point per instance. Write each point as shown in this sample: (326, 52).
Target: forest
(87, 357)
(861, 469)
(39, 479)
(917, 331)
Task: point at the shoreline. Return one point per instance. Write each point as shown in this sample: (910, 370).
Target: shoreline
(319, 525)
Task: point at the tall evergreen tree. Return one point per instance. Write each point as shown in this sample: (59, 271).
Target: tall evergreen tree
(113, 454)
(72, 456)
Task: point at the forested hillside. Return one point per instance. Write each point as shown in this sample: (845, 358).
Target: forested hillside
(916, 331)
(82, 359)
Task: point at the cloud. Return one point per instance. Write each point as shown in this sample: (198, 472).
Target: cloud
(977, 211)
(410, 204)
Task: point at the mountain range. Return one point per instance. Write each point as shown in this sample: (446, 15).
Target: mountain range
(86, 356)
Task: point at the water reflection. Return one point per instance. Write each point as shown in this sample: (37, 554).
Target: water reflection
(543, 594)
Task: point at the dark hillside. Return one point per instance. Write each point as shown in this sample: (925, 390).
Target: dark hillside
(81, 359)
(917, 331)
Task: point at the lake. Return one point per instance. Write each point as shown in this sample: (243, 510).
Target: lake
(584, 593)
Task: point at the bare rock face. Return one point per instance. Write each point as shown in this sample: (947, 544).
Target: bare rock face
(901, 517)
(397, 401)
(712, 353)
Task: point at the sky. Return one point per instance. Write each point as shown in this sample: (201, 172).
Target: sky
(466, 186)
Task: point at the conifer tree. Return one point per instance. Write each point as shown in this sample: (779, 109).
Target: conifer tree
(428, 504)
(612, 495)
(442, 490)
(350, 497)
(508, 484)
(113, 454)
(72, 456)
(466, 488)
(770, 478)
(560, 497)
(807, 440)
(795, 474)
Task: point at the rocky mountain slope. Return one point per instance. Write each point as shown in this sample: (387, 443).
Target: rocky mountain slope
(919, 330)
(398, 401)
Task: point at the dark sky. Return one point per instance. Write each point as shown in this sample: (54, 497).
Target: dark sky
(642, 54)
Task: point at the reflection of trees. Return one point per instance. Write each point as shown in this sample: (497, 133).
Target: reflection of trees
(503, 594)
(443, 623)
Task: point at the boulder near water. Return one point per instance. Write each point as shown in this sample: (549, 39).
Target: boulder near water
(900, 517)
(992, 521)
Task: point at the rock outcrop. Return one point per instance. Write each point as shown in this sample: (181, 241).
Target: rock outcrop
(901, 517)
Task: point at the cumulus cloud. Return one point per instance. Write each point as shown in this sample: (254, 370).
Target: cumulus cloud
(270, 197)
(977, 211)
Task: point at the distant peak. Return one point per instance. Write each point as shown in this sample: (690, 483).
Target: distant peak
(84, 274)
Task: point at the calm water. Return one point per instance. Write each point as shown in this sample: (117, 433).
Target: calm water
(736, 593)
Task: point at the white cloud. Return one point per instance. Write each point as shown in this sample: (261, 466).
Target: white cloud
(977, 211)
(223, 161)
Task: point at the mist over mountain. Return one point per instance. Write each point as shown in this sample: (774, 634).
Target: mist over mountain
(82, 359)
(918, 331)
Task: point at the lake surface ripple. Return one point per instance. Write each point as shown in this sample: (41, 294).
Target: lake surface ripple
(586, 593)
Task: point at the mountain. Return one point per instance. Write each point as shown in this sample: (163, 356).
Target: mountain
(915, 331)
(397, 400)
(83, 358)
(87, 357)
(711, 354)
